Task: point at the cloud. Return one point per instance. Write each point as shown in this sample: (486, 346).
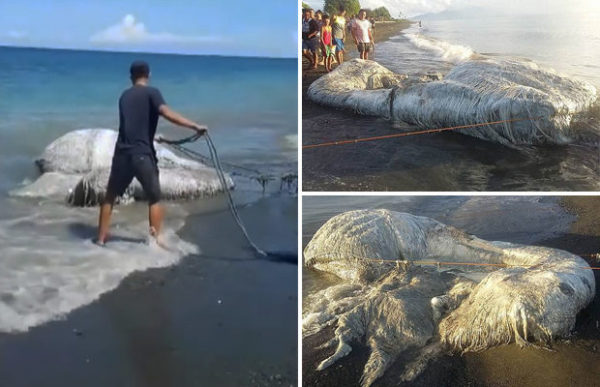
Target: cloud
(131, 31)
(17, 35)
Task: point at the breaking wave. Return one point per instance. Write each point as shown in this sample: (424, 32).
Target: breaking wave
(453, 53)
(50, 267)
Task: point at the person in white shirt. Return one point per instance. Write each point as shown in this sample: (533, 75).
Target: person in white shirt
(363, 37)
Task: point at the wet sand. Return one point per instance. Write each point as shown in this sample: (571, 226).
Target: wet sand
(223, 317)
(574, 362)
(446, 161)
(318, 122)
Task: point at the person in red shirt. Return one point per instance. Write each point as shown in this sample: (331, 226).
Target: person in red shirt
(327, 42)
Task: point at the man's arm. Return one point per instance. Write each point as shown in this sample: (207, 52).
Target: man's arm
(180, 120)
(371, 36)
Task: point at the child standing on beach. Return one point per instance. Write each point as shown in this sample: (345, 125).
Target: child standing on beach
(327, 42)
(339, 34)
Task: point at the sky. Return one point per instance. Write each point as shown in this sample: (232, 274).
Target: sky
(410, 8)
(234, 28)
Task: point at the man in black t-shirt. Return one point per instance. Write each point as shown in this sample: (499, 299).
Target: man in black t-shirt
(139, 109)
(310, 41)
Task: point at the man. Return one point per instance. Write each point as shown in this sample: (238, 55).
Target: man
(310, 41)
(363, 37)
(339, 34)
(139, 109)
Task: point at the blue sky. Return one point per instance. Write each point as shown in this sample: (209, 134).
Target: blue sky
(410, 8)
(239, 28)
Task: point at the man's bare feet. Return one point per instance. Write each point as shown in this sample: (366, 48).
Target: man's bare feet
(98, 242)
(159, 240)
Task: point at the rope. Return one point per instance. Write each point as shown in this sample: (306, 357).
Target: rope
(415, 133)
(405, 263)
(214, 158)
(261, 178)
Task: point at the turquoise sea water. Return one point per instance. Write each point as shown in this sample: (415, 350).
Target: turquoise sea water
(249, 104)
(48, 265)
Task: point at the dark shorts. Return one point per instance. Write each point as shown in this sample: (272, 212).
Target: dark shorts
(365, 47)
(127, 166)
(310, 44)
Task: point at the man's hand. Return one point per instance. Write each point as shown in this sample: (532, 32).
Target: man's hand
(201, 129)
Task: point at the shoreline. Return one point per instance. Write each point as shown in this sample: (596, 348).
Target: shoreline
(573, 361)
(381, 33)
(197, 320)
(318, 120)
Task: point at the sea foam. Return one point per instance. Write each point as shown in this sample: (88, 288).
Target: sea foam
(50, 266)
(453, 53)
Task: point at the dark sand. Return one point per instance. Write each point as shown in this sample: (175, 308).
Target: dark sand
(446, 161)
(574, 362)
(221, 318)
(321, 123)
(381, 32)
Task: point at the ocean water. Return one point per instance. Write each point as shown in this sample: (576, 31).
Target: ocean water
(48, 267)
(569, 43)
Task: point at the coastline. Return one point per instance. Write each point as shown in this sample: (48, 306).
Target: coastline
(318, 120)
(196, 321)
(571, 362)
(381, 33)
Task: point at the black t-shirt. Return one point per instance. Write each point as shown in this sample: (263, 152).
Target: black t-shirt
(313, 26)
(138, 117)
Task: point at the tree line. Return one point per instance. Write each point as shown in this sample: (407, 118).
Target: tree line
(352, 7)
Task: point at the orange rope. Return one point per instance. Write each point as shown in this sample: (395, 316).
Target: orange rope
(415, 133)
(434, 263)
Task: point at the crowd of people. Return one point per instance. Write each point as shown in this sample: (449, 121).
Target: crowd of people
(324, 35)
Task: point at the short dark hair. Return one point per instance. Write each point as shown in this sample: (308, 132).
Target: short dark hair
(139, 69)
(325, 16)
(341, 8)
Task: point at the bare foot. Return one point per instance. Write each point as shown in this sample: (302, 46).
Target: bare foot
(98, 242)
(159, 240)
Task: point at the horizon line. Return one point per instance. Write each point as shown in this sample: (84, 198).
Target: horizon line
(3, 45)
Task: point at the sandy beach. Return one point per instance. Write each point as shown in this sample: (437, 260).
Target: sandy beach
(381, 32)
(569, 362)
(448, 161)
(222, 317)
